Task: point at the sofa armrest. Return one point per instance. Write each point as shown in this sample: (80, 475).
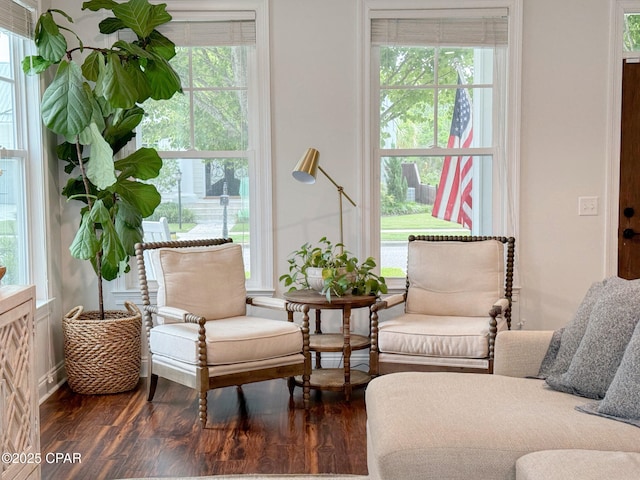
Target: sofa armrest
(519, 353)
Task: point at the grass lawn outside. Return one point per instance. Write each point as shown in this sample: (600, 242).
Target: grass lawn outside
(399, 227)
(396, 228)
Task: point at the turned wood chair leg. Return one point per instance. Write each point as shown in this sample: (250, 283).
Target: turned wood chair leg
(152, 383)
(306, 392)
(291, 383)
(202, 408)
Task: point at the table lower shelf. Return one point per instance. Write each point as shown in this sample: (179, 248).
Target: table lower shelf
(333, 379)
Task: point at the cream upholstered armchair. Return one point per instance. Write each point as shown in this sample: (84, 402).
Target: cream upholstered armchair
(199, 333)
(458, 296)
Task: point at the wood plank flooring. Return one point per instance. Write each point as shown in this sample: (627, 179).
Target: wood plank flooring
(249, 430)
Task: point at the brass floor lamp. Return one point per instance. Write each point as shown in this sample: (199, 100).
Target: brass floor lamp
(306, 171)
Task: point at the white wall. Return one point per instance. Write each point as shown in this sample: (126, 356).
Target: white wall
(315, 102)
(563, 155)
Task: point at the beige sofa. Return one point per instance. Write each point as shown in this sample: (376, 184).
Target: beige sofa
(469, 426)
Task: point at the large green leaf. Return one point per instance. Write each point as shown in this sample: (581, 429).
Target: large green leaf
(111, 25)
(119, 88)
(66, 107)
(100, 168)
(86, 244)
(144, 164)
(140, 79)
(132, 48)
(75, 189)
(95, 5)
(142, 196)
(141, 17)
(128, 223)
(122, 126)
(93, 66)
(113, 252)
(35, 64)
(86, 136)
(163, 79)
(161, 45)
(51, 43)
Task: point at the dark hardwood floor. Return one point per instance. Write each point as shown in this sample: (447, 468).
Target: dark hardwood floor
(249, 430)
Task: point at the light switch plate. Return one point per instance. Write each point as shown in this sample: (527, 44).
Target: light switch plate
(587, 205)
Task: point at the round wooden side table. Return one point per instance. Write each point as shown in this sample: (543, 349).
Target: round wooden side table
(337, 379)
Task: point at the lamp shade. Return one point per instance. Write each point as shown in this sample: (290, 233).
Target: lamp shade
(307, 168)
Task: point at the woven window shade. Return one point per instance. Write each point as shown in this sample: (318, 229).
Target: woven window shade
(16, 18)
(472, 31)
(210, 33)
(206, 33)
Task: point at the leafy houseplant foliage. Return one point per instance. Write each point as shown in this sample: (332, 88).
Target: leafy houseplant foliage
(95, 107)
(342, 274)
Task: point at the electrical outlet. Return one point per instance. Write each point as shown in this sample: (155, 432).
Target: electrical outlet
(587, 205)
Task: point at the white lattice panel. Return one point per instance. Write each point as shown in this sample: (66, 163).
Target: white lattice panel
(20, 433)
(16, 372)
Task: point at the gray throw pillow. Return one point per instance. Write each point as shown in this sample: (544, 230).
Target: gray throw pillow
(622, 401)
(611, 324)
(572, 334)
(549, 360)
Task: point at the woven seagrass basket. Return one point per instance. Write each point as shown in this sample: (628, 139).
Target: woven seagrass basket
(102, 356)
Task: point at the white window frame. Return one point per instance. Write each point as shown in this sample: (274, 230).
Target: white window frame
(371, 167)
(35, 190)
(261, 198)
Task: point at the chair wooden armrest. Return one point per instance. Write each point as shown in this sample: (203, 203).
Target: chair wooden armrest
(268, 302)
(176, 314)
(391, 301)
(501, 305)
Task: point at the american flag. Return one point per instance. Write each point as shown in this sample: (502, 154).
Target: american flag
(453, 196)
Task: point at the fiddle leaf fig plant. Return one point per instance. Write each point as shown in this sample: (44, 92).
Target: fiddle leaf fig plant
(94, 104)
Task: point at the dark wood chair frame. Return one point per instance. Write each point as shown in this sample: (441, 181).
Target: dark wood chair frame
(379, 368)
(201, 381)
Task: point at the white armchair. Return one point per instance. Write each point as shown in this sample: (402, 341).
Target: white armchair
(458, 297)
(199, 333)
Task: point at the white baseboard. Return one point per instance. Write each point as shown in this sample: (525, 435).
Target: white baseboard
(51, 382)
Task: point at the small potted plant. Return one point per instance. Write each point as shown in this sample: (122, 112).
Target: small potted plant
(331, 270)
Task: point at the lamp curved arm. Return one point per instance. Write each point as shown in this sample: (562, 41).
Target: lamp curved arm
(339, 187)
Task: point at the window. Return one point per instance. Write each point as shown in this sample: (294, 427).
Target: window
(21, 208)
(214, 139)
(439, 139)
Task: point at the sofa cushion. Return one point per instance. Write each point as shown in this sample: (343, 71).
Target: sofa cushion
(230, 340)
(571, 335)
(206, 281)
(427, 335)
(459, 426)
(463, 278)
(622, 401)
(613, 318)
(578, 465)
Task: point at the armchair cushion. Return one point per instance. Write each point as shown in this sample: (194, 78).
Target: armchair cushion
(230, 340)
(436, 336)
(463, 279)
(186, 278)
